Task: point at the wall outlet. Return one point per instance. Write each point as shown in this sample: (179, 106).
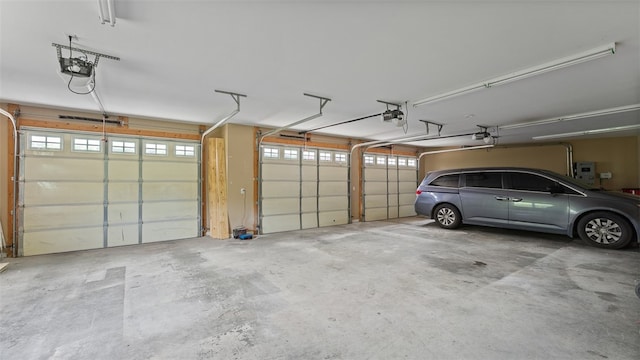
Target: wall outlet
(243, 191)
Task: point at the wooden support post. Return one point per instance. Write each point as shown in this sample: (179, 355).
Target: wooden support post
(11, 164)
(217, 189)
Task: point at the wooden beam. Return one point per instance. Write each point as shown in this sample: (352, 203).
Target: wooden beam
(61, 125)
(294, 142)
(217, 189)
(11, 164)
(256, 177)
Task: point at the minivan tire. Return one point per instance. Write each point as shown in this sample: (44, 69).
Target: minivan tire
(605, 230)
(447, 216)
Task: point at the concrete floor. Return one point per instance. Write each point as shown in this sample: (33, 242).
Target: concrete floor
(381, 290)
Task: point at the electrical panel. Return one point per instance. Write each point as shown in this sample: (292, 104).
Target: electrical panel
(585, 171)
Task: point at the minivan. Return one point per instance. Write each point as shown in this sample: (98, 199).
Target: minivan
(529, 199)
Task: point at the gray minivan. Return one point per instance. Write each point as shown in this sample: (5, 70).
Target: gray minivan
(529, 199)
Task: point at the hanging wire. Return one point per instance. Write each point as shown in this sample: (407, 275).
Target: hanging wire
(93, 72)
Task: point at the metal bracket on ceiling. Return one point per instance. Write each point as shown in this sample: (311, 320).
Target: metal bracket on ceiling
(235, 96)
(427, 123)
(398, 106)
(59, 48)
(323, 100)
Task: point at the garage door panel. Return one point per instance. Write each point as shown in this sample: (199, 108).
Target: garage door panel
(392, 200)
(52, 192)
(272, 189)
(332, 173)
(280, 172)
(392, 176)
(280, 206)
(309, 189)
(407, 199)
(372, 201)
(375, 174)
(53, 169)
(155, 211)
(309, 221)
(392, 187)
(408, 187)
(119, 214)
(48, 217)
(406, 210)
(169, 171)
(393, 213)
(330, 218)
(122, 235)
(123, 192)
(309, 204)
(375, 187)
(169, 230)
(332, 203)
(309, 173)
(374, 214)
(157, 191)
(123, 170)
(62, 240)
(333, 188)
(407, 175)
(280, 223)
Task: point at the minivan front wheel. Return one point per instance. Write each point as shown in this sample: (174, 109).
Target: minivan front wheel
(605, 230)
(447, 216)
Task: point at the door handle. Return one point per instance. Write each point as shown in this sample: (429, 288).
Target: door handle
(502, 198)
(516, 199)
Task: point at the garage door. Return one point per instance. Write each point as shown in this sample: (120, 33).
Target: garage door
(302, 188)
(78, 192)
(389, 186)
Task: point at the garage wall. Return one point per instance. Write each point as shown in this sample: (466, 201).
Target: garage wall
(617, 155)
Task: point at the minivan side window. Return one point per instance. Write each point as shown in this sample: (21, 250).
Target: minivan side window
(484, 180)
(450, 180)
(531, 182)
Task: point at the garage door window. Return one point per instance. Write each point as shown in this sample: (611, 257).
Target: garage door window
(402, 162)
(325, 156)
(185, 150)
(271, 153)
(155, 149)
(45, 142)
(290, 154)
(392, 161)
(411, 162)
(91, 145)
(308, 155)
(381, 160)
(368, 159)
(341, 158)
(123, 147)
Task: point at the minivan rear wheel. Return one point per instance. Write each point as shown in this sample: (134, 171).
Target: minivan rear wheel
(447, 216)
(605, 230)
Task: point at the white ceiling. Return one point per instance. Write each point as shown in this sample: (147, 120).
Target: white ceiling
(175, 53)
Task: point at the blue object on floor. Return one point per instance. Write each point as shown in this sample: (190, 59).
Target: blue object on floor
(245, 236)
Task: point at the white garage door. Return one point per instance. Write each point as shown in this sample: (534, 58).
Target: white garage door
(78, 192)
(389, 186)
(302, 188)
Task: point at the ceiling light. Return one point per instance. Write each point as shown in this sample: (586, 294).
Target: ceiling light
(107, 7)
(523, 74)
(610, 111)
(587, 132)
